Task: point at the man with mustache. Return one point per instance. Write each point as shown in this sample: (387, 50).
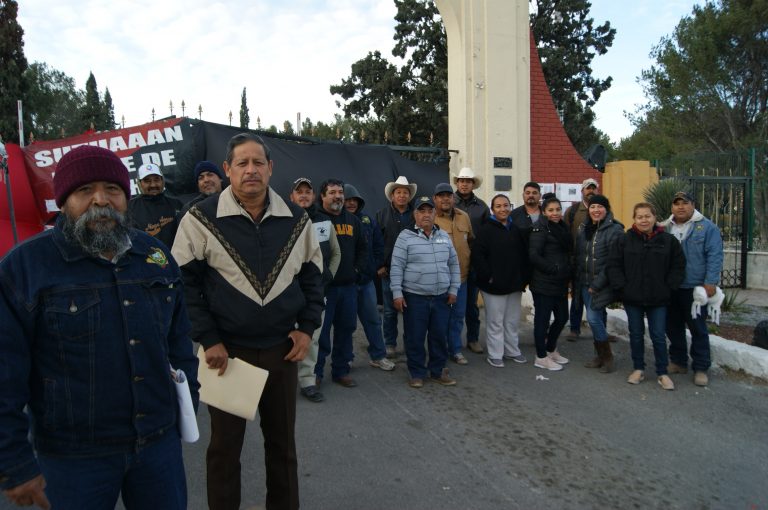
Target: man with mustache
(341, 295)
(153, 211)
(527, 214)
(253, 271)
(92, 318)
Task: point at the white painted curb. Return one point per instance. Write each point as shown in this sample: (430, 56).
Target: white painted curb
(725, 353)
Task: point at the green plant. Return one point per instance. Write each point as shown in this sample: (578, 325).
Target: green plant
(731, 301)
(660, 195)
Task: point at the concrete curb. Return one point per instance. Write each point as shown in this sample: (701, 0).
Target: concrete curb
(725, 353)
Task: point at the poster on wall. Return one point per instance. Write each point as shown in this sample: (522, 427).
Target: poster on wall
(568, 192)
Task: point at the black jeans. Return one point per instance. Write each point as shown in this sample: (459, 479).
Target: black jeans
(545, 334)
(277, 412)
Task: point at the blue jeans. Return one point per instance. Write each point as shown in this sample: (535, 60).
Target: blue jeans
(341, 313)
(152, 477)
(371, 320)
(678, 317)
(456, 321)
(472, 317)
(545, 335)
(577, 311)
(389, 321)
(595, 318)
(426, 316)
(657, 320)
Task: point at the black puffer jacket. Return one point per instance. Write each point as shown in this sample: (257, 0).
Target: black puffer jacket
(646, 269)
(550, 251)
(500, 259)
(593, 247)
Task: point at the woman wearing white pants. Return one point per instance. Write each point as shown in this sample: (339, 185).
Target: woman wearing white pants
(500, 261)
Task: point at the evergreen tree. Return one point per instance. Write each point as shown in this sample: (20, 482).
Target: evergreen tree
(53, 102)
(109, 111)
(381, 98)
(12, 66)
(245, 119)
(568, 41)
(92, 113)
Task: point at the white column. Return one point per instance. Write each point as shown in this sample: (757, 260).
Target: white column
(489, 90)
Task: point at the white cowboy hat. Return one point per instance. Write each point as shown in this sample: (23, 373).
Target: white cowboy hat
(467, 173)
(401, 182)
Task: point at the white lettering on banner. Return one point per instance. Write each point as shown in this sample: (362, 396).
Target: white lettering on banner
(162, 158)
(136, 140)
(117, 144)
(128, 162)
(46, 158)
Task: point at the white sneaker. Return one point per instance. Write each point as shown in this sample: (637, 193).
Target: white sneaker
(557, 358)
(383, 364)
(547, 363)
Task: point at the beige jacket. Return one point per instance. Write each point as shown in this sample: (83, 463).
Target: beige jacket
(459, 229)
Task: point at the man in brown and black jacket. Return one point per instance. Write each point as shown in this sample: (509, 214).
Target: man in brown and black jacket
(253, 269)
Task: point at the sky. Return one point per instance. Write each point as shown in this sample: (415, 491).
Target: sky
(286, 53)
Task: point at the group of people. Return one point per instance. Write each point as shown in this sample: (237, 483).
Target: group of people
(97, 312)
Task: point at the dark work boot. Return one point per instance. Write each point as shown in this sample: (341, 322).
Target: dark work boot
(608, 365)
(597, 362)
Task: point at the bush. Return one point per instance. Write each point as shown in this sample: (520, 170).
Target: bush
(661, 193)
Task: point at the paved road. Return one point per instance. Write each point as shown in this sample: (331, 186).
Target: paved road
(501, 439)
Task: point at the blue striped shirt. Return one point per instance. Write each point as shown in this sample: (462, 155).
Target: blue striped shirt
(423, 265)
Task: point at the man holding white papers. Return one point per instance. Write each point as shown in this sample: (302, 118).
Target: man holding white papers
(92, 319)
(253, 273)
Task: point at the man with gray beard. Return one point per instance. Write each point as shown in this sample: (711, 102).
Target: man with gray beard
(92, 322)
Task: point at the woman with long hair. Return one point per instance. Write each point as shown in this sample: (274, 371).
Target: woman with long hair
(500, 259)
(550, 251)
(593, 243)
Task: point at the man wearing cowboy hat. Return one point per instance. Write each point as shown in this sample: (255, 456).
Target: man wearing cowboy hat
(466, 182)
(393, 219)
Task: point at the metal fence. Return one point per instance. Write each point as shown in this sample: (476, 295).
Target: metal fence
(731, 190)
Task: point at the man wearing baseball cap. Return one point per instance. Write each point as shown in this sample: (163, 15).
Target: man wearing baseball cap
(153, 211)
(703, 248)
(425, 279)
(92, 318)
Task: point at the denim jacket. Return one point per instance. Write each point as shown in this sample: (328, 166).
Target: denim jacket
(86, 344)
(703, 248)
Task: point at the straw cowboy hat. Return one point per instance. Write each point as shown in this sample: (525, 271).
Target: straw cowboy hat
(401, 182)
(467, 173)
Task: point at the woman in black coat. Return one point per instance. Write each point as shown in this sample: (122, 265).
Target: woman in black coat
(500, 260)
(550, 250)
(646, 265)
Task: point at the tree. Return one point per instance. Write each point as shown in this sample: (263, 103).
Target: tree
(53, 101)
(709, 87)
(568, 41)
(109, 111)
(245, 119)
(92, 113)
(13, 63)
(288, 128)
(382, 98)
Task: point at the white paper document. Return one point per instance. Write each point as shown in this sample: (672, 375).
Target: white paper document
(187, 419)
(237, 391)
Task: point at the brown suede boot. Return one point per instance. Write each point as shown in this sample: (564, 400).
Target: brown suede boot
(597, 362)
(608, 366)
